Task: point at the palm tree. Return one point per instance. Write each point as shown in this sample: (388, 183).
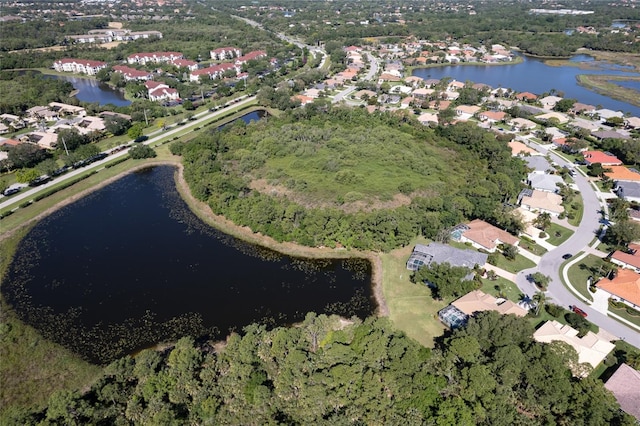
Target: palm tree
(541, 299)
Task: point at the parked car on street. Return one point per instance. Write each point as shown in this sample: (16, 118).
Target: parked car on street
(578, 311)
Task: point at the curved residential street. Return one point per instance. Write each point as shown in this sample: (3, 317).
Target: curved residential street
(581, 239)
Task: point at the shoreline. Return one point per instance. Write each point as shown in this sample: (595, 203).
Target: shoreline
(204, 213)
(516, 60)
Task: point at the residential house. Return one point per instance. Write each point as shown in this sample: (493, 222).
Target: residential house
(9, 142)
(222, 53)
(43, 139)
(160, 92)
(492, 116)
(520, 149)
(538, 164)
(544, 182)
(436, 253)
(606, 114)
(624, 287)
(3, 128)
(591, 348)
(629, 259)
(79, 66)
(629, 191)
(561, 118)
(457, 314)
(414, 81)
(526, 96)
(542, 201)
(66, 109)
(465, 112)
(632, 122)
(579, 108)
(608, 134)
(522, 124)
(422, 93)
(604, 158)
(622, 174)
(624, 384)
(428, 117)
(365, 94)
(483, 235)
(549, 102)
(439, 105)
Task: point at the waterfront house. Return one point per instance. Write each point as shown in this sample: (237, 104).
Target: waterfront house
(436, 253)
(79, 66)
(458, 312)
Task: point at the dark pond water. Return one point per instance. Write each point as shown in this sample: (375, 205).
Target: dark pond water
(129, 266)
(90, 90)
(532, 75)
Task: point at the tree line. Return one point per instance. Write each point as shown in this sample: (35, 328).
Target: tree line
(490, 373)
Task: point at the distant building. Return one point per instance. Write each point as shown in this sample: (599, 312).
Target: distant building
(79, 66)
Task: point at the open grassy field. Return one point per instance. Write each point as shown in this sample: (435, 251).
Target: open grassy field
(501, 286)
(411, 307)
(514, 266)
(605, 85)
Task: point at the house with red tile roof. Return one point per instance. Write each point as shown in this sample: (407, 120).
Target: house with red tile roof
(483, 235)
(214, 71)
(185, 63)
(492, 116)
(592, 157)
(251, 56)
(526, 96)
(629, 259)
(132, 73)
(625, 287)
(159, 91)
(622, 173)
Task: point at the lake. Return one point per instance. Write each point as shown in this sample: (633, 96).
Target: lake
(130, 265)
(90, 90)
(532, 75)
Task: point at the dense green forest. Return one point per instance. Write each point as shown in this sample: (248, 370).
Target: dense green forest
(21, 92)
(325, 373)
(347, 177)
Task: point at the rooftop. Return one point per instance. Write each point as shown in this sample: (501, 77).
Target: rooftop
(624, 384)
(625, 285)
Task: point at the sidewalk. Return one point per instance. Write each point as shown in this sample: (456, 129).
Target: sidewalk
(526, 253)
(501, 272)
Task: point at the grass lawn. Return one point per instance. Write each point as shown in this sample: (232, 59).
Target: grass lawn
(580, 272)
(558, 234)
(411, 307)
(576, 209)
(622, 312)
(501, 286)
(516, 265)
(532, 247)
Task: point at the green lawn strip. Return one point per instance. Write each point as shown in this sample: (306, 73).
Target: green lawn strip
(579, 273)
(514, 266)
(622, 312)
(532, 247)
(558, 234)
(31, 368)
(501, 286)
(574, 211)
(411, 307)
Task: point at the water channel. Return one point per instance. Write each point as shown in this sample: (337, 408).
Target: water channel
(130, 266)
(533, 75)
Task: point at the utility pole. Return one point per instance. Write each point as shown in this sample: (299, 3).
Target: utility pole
(65, 146)
(146, 120)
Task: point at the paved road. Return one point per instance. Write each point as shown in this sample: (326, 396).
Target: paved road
(550, 263)
(155, 136)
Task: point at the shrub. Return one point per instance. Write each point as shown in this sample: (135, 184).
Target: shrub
(542, 235)
(554, 310)
(141, 151)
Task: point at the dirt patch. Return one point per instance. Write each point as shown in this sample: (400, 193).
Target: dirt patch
(116, 25)
(398, 200)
